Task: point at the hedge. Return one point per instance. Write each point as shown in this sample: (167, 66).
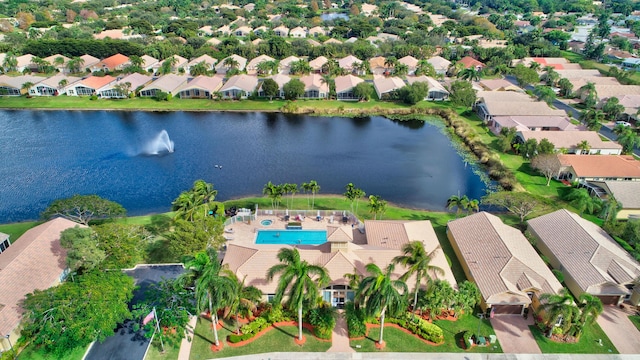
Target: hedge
(420, 327)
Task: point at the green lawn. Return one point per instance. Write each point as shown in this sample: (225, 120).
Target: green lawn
(155, 352)
(280, 339)
(16, 230)
(635, 319)
(31, 353)
(588, 343)
(399, 341)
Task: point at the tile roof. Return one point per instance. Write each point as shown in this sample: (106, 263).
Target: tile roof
(207, 60)
(34, 262)
(221, 67)
(468, 62)
(524, 123)
(587, 253)
(504, 96)
(377, 62)
(51, 59)
(607, 91)
(135, 80)
(209, 83)
(148, 61)
(89, 60)
(54, 81)
(499, 84)
(318, 63)
(253, 64)
(95, 82)
(626, 192)
(347, 82)
(244, 82)
(18, 81)
(409, 60)
(168, 83)
(114, 61)
(24, 60)
(439, 63)
(570, 139)
(433, 83)
(314, 82)
(535, 108)
(578, 74)
(497, 257)
(384, 84)
(348, 61)
(604, 166)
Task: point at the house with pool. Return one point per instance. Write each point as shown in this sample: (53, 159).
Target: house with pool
(333, 239)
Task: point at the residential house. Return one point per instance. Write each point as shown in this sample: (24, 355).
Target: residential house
(169, 83)
(13, 85)
(36, 261)
(556, 63)
(298, 32)
(201, 87)
(207, 31)
(177, 63)
(533, 123)
(598, 168)
(570, 141)
(112, 63)
(332, 41)
(440, 64)
(209, 62)
(590, 260)
(88, 62)
(631, 64)
(437, 91)
(578, 74)
(626, 193)
(500, 260)
(223, 30)
(214, 42)
(52, 86)
(605, 92)
(281, 80)
(469, 62)
(25, 62)
(284, 67)
(317, 63)
(149, 64)
(385, 86)
(345, 85)
(317, 31)
(578, 83)
(124, 86)
(223, 66)
(347, 250)
(509, 103)
(58, 61)
(242, 31)
(377, 65)
(281, 31)
(88, 86)
(5, 242)
(252, 66)
(239, 87)
(498, 85)
(348, 62)
(260, 30)
(411, 62)
(315, 87)
(368, 9)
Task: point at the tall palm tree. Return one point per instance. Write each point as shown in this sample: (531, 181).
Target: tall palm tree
(470, 73)
(231, 63)
(380, 293)
(10, 62)
(299, 279)
(244, 299)
(136, 61)
(458, 202)
(390, 63)
(473, 205)
(565, 86)
(377, 206)
(401, 69)
(550, 76)
(589, 93)
(354, 279)
(291, 189)
(205, 194)
(559, 308)
(418, 262)
(75, 64)
(270, 191)
(314, 188)
(590, 308)
(185, 205)
(425, 68)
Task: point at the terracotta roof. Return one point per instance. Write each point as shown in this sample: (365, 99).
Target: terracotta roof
(95, 82)
(347, 82)
(497, 257)
(604, 166)
(468, 62)
(114, 61)
(586, 252)
(36, 261)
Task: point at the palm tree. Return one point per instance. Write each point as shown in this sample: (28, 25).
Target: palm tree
(300, 67)
(185, 205)
(380, 293)
(213, 291)
(591, 94)
(377, 206)
(136, 61)
(231, 63)
(62, 83)
(627, 137)
(590, 307)
(581, 200)
(244, 299)
(471, 74)
(550, 75)
(473, 205)
(354, 279)
(75, 64)
(425, 68)
(314, 188)
(263, 68)
(390, 63)
(583, 146)
(401, 69)
(418, 262)
(593, 118)
(10, 62)
(559, 308)
(534, 65)
(205, 193)
(198, 69)
(458, 202)
(545, 93)
(565, 86)
(26, 86)
(299, 279)
(270, 191)
(291, 189)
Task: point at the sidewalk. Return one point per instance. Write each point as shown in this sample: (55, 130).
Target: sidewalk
(185, 346)
(340, 336)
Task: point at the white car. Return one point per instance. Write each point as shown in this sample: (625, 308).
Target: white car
(623, 123)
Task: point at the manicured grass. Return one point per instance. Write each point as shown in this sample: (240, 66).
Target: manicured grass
(16, 230)
(280, 339)
(155, 352)
(635, 319)
(32, 353)
(588, 343)
(399, 341)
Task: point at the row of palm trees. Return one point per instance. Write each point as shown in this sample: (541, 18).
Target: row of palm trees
(562, 311)
(276, 192)
(200, 196)
(461, 203)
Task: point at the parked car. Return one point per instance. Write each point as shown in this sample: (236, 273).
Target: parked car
(623, 123)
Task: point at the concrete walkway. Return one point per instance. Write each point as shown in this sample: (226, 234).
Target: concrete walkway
(514, 334)
(340, 337)
(620, 330)
(429, 356)
(185, 346)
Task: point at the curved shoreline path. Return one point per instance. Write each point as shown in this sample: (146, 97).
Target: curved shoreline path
(340, 336)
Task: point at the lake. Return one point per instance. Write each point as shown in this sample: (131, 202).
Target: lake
(47, 155)
(334, 16)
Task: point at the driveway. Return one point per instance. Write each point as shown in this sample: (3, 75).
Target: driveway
(514, 334)
(620, 330)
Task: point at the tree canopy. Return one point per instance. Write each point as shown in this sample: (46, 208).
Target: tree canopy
(84, 208)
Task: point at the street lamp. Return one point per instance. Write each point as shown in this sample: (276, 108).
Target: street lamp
(8, 337)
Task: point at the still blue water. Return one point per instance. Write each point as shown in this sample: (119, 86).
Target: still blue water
(45, 155)
(334, 16)
(291, 237)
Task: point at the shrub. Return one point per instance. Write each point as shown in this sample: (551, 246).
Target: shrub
(420, 327)
(93, 97)
(274, 314)
(249, 330)
(323, 320)
(355, 321)
(466, 336)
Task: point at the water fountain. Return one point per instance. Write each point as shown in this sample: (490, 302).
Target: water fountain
(160, 144)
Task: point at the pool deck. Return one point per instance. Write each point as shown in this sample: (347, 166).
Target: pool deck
(244, 233)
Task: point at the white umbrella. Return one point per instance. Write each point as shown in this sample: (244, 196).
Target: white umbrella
(286, 212)
(318, 213)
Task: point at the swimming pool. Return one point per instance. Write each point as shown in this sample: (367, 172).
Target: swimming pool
(291, 237)
(266, 222)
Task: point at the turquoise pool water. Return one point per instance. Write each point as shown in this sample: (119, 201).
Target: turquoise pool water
(292, 237)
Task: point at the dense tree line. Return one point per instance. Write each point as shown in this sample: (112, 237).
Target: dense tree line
(78, 47)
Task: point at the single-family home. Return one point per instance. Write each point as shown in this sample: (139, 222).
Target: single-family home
(260, 30)
(578, 74)
(368, 9)
(284, 66)
(317, 31)
(345, 85)
(207, 31)
(604, 92)
(440, 64)
(25, 62)
(234, 61)
(332, 41)
(377, 65)
(349, 63)
(590, 260)
(281, 31)
(298, 32)
(252, 66)
(411, 62)
(281, 80)
(572, 141)
(346, 250)
(313, 42)
(88, 86)
(239, 87)
(169, 83)
(385, 86)
(58, 61)
(598, 168)
(5, 242)
(13, 85)
(201, 87)
(626, 193)
(35, 261)
(469, 62)
(500, 260)
(124, 86)
(578, 83)
(214, 42)
(52, 86)
(631, 63)
(315, 87)
(509, 103)
(112, 63)
(318, 63)
(242, 31)
(437, 91)
(556, 63)
(177, 62)
(223, 30)
(208, 61)
(533, 123)
(498, 85)
(149, 63)
(88, 62)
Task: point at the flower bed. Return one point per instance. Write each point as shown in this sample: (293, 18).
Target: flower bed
(422, 328)
(268, 328)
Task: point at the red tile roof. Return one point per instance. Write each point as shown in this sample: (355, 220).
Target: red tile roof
(468, 62)
(96, 82)
(112, 62)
